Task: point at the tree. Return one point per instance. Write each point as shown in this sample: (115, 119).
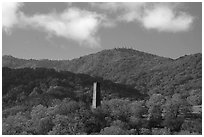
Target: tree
(195, 97)
(155, 116)
(137, 108)
(137, 120)
(13, 94)
(117, 109)
(155, 100)
(40, 122)
(135, 123)
(66, 125)
(155, 106)
(38, 112)
(98, 119)
(161, 131)
(45, 125)
(186, 132)
(145, 131)
(175, 111)
(14, 125)
(193, 126)
(121, 124)
(67, 107)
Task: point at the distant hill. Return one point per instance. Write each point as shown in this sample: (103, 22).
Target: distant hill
(12, 62)
(118, 65)
(147, 72)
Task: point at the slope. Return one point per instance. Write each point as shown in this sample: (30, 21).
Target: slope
(146, 72)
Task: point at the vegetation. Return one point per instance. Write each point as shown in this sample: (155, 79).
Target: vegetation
(149, 95)
(145, 72)
(43, 101)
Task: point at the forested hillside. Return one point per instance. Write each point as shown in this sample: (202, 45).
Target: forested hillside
(18, 84)
(146, 72)
(141, 94)
(44, 101)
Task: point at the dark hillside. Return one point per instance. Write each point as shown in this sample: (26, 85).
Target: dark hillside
(20, 84)
(146, 72)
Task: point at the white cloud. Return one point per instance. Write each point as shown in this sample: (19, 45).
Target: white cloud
(73, 23)
(160, 16)
(165, 18)
(10, 14)
(82, 25)
(126, 11)
(131, 11)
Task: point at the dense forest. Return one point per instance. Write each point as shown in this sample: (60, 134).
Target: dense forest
(44, 101)
(146, 72)
(141, 94)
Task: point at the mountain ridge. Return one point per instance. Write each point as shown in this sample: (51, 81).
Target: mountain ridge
(126, 66)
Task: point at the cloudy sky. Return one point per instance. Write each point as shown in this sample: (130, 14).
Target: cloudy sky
(70, 30)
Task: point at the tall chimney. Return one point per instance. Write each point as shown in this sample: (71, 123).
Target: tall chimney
(96, 95)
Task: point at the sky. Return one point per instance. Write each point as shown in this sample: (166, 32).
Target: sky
(61, 31)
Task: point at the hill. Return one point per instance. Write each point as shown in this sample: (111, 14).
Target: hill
(26, 83)
(38, 100)
(12, 62)
(146, 72)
